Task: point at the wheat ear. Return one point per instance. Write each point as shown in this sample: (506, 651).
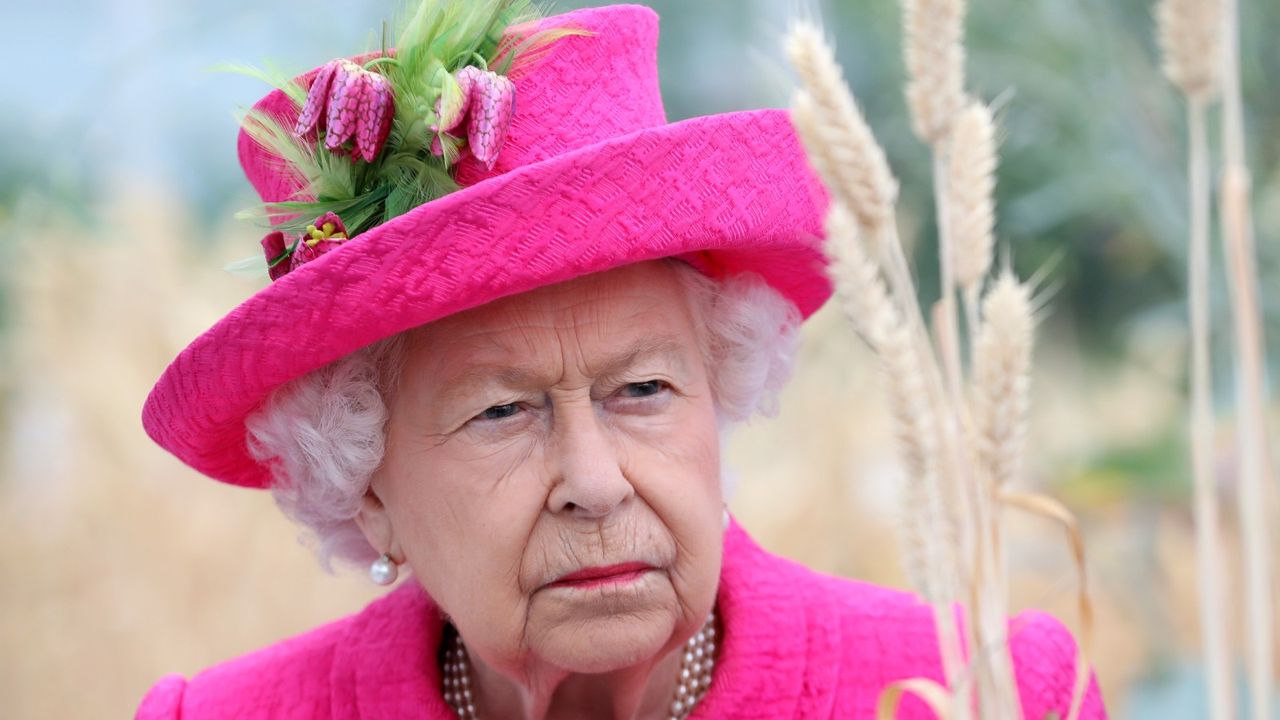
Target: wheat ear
(1191, 40)
(1251, 363)
(933, 45)
(841, 147)
(836, 135)
(971, 207)
(1002, 379)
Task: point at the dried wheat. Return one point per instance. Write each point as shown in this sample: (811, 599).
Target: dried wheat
(929, 536)
(836, 134)
(934, 33)
(1191, 38)
(971, 169)
(1002, 379)
(1251, 388)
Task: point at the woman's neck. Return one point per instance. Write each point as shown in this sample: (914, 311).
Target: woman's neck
(639, 692)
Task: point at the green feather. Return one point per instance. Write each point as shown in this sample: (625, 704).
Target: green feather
(251, 268)
(271, 75)
(299, 159)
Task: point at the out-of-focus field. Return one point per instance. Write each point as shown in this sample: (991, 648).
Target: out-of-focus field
(121, 565)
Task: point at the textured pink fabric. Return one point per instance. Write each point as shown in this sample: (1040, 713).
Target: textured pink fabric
(589, 178)
(797, 644)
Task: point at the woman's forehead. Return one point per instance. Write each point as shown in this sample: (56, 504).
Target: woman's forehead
(607, 319)
(602, 302)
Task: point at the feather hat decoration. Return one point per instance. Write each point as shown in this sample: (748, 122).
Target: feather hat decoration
(381, 134)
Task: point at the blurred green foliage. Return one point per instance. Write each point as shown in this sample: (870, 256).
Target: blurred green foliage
(1091, 180)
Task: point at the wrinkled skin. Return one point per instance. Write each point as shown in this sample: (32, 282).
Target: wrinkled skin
(567, 427)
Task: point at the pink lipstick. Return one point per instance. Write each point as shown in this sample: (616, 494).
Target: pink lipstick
(595, 576)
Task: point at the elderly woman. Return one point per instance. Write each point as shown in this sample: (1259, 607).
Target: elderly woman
(513, 314)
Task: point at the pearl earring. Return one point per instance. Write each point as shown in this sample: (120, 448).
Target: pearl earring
(383, 571)
(724, 519)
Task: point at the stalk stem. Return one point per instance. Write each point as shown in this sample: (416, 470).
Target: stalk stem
(1255, 461)
(948, 340)
(1208, 540)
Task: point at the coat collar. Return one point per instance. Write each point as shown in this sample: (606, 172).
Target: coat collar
(779, 649)
(781, 640)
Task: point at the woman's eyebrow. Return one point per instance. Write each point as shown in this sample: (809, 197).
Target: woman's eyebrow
(517, 377)
(663, 347)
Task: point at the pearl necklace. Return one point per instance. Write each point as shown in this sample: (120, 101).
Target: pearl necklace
(694, 680)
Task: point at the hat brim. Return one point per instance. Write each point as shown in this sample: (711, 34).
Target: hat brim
(729, 193)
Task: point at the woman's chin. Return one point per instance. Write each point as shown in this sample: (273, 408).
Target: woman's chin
(605, 644)
(603, 627)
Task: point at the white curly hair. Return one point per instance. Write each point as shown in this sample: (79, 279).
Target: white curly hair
(323, 434)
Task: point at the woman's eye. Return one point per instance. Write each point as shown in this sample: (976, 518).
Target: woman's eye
(644, 389)
(498, 412)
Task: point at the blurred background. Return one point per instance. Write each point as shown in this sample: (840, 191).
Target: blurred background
(118, 187)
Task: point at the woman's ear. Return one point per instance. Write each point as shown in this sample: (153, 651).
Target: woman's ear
(375, 522)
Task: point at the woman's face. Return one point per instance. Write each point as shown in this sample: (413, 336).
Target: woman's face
(552, 473)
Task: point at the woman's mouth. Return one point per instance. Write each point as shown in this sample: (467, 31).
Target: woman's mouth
(606, 575)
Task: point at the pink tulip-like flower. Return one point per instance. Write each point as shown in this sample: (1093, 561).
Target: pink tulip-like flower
(350, 104)
(493, 102)
(455, 98)
(485, 105)
(322, 236)
(277, 254)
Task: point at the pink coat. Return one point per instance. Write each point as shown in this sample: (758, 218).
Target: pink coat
(797, 644)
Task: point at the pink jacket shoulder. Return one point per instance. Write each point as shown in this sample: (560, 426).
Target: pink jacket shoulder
(845, 641)
(901, 627)
(287, 680)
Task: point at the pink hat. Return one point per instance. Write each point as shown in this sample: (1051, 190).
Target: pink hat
(588, 177)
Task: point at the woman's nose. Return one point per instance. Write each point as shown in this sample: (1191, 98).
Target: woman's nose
(589, 480)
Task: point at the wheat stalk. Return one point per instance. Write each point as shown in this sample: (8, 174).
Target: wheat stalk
(952, 528)
(1001, 400)
(865, 302)
(1047, 507)
(1190, 34)
(1251, 393)
(935, 95)
(929, 530)
(933, 33)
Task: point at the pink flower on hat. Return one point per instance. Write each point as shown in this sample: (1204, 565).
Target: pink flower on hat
(350, 104)
(323, 235)
(486, 102)
(493, 102)
(455, 98)
(320, 237)
(277, 254)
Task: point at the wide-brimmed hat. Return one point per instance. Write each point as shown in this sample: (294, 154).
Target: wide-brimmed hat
(589, 177)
